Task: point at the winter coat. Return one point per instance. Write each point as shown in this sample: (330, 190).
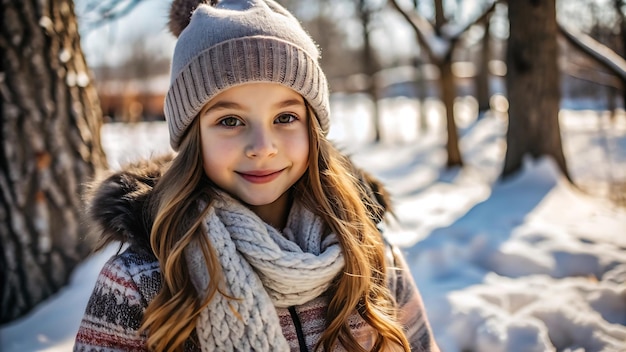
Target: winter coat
(132, 278)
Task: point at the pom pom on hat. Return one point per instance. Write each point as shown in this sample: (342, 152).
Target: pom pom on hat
(180, 14)
(226, 43)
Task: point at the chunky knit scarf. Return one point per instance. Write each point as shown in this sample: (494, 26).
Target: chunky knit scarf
(264, 269)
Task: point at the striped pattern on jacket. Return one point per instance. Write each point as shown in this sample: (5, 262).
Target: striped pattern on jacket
(130, 280)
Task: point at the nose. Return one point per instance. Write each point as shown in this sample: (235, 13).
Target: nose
(261, 143)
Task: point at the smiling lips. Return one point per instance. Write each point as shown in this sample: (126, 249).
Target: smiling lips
(260, 176)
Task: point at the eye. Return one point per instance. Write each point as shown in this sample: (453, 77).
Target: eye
(286, 118)
(230, 121)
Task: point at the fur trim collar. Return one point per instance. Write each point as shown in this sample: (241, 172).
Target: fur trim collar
(117, 206)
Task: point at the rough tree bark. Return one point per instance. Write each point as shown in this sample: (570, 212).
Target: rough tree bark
(533, 85)
(50, 146)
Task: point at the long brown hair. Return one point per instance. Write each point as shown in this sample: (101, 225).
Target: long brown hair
(329, 189)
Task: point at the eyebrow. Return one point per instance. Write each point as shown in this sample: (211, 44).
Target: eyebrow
(288, 102)
(224, 104)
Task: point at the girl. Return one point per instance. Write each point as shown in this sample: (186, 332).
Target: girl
(258, 235)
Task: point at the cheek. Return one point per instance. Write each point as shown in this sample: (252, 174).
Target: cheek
(216, 152)
(299, 147)
(208, 158)
(216, 162)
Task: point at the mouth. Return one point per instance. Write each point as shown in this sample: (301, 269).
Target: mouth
(260, 176)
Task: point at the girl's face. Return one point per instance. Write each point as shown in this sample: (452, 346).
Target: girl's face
(255, 142)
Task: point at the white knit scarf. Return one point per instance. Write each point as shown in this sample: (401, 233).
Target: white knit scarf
(264, 269)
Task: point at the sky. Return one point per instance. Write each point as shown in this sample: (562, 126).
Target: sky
(522, 265)
(108, 43)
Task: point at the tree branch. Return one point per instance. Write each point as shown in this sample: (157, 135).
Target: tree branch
(423, 29)
(596, 50)
(454, 35)
(103, 12)
(437, 46)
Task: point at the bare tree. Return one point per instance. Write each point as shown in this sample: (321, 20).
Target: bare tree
(370, 65)
(50, 146)
(532, 83)
(482, 76)
(431, 37)
(327, 27)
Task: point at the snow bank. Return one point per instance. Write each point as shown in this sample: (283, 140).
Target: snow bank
(504, 278)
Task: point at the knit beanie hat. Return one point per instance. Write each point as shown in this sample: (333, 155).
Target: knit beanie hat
(225, 43)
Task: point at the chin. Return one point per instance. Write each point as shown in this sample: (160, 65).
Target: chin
(258, 201)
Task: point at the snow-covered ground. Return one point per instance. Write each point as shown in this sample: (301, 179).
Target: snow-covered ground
(526, 264)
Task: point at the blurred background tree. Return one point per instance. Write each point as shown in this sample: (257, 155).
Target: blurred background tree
(439, 41)
(533, 85)
(50, 121)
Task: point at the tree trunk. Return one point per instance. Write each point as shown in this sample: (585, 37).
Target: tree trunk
(482, 78)
(422, 94)
(533, 85)
(448, 94)
(369, 65)
(444, 63)
(440, 17)
(50, 146)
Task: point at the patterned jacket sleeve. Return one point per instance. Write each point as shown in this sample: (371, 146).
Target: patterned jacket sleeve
(115, 309)
(412, 313)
